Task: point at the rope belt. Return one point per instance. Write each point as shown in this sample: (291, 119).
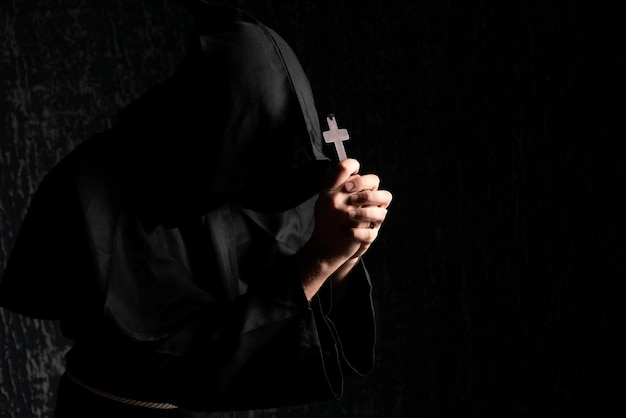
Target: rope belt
(153, 405)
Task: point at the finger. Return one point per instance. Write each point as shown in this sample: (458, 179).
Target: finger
(366, 225)
(365, 215)
(380, 198)
(364, 235)
(341, 173)
(361, 183)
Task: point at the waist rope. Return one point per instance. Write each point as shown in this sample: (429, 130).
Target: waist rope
(144, 404)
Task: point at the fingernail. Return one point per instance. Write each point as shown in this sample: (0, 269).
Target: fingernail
(352, 213)
(349, 186)
(354, 198)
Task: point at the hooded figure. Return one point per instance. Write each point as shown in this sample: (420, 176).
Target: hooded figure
(165, 244)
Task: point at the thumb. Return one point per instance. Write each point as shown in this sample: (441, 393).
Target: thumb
(341, 173)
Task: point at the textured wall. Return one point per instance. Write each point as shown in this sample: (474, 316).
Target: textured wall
(500, 273)
(65, 69)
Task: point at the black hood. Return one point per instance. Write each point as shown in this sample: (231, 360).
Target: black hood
(235, 123)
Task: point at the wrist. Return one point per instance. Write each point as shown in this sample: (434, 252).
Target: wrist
(314, 270)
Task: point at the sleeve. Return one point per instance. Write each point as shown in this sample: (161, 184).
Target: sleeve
(287, 352)
(284, 353)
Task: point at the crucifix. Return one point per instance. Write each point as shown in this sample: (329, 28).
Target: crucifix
(336, 136)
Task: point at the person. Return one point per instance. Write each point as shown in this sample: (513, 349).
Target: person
(203, 254)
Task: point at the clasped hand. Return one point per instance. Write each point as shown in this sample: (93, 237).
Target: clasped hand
(348, 214)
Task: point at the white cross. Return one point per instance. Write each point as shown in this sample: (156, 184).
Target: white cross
(336, 136)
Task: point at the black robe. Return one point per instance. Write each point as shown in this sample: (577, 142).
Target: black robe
(165, 244)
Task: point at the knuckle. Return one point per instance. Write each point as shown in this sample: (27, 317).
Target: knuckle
(374, 180)
(343, 168)
(349, 165)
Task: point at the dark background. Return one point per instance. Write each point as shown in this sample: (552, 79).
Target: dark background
(500, 272)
